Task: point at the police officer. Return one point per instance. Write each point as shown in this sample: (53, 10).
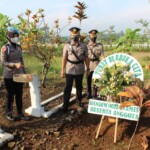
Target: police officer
(74, 56)
(12, 61)
(95, 50)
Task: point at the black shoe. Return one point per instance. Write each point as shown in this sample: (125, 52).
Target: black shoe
(64, 109)
(22, 117)
(10, 117)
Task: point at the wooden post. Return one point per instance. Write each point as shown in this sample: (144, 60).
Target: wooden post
(99, 127)
(116, 126)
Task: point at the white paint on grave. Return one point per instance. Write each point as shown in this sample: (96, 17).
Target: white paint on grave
(5, 137)
(36, 108)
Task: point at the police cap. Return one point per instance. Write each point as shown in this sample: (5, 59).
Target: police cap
(93, 33)
(74, 31)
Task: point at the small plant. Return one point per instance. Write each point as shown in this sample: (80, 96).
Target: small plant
(134, 97)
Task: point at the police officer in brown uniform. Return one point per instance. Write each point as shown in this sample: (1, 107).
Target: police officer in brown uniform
(74, 56)
(12, 62)
(95, 50)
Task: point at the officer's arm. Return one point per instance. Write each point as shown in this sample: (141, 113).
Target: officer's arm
(87, 62)
(4, 57)
(64, 61)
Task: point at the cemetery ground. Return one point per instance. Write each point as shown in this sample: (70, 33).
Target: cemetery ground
(70, 131)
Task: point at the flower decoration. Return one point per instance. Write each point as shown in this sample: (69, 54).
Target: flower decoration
(113, 80)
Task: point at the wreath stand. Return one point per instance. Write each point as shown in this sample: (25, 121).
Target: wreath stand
(116, 126)
(99, 127)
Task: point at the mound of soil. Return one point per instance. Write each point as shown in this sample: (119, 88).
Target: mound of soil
(71, 130)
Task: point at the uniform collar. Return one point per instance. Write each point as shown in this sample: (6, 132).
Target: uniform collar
(92, 44)
(73, 44)
(12, 44)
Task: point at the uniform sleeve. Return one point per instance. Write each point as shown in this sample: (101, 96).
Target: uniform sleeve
(65, 50)
(4, 58)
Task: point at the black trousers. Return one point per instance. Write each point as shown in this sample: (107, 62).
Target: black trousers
(14, 90)
(89, 86)
(68, 87)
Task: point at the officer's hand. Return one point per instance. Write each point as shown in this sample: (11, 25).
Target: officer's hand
(62, 74)
(18, 65)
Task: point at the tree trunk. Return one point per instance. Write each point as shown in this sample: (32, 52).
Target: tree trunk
(44, 75)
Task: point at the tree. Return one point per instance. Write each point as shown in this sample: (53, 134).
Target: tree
(125, 42)
(144, 37)
(111, 35)
(79, 14)
(39, 39)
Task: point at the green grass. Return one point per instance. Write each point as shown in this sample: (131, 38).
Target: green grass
(33, 66)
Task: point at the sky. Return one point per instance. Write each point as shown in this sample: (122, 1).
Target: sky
(101, 13)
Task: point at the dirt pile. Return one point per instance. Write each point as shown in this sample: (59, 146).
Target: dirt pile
(69, 131)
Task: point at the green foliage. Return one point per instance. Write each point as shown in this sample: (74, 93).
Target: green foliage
(125, 42)
(111, 35)
(4, 23)
(58, 51)
(32, 64)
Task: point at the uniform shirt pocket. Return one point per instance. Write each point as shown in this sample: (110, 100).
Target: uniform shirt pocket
(80, 52)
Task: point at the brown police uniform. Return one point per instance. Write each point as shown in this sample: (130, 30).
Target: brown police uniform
(75, 55)
(95, 50)
(73, 65)
(9, 56)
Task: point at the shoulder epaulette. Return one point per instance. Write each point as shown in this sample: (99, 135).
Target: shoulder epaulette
(68, 42)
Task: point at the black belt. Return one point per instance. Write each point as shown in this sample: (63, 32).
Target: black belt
(93, 59)
(75, 62)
